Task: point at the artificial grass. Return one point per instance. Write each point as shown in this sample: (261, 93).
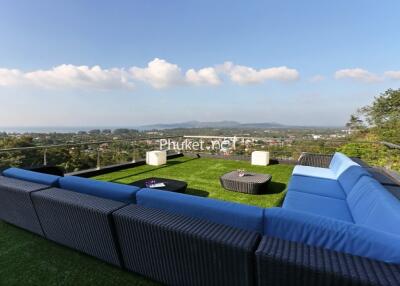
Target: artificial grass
(28, 259)
(202, 176)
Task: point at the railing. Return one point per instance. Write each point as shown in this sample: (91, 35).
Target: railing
(96, 154)
(81, 155)
(289, 149)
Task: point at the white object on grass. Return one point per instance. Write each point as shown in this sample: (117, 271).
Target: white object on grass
(156, 158)
(260, 158)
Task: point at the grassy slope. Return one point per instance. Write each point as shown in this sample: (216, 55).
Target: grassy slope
(202, 176)
(27, 259)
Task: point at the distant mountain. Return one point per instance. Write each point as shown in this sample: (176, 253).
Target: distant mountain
(216, 124)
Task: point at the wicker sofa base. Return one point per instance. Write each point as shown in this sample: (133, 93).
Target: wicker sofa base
(178, 250)
(16, 205)
(79, 221)
(280, 262)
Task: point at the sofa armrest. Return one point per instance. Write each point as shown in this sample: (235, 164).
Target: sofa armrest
(282, 262)
(179, 250)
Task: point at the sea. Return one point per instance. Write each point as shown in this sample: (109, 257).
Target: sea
(53, 129)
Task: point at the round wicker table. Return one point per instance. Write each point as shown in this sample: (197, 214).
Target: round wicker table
(250, 183)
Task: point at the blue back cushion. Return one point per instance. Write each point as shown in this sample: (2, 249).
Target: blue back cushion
(227, 213)
(340, 163)
(350, 177)
(373, 206)
(31, 176)
(113, 191)
(332, 234)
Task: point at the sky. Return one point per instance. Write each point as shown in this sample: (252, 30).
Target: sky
(130, 63)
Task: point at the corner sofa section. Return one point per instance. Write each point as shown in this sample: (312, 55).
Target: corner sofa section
(179, 239)
(77, 214)
(352, 213)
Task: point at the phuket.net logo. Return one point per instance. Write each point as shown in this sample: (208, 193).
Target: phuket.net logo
(188, 144)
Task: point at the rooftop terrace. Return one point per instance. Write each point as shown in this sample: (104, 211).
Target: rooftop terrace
(31, 260)
(25, 258)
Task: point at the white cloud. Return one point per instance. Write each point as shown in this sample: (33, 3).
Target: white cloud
(317, 78)
(68, 76)
(71, 76)
(10, 77)
(203, 76)
(393, 75)
(159, 74)
(248, 75)
(357, 74)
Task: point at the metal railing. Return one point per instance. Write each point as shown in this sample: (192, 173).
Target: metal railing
(96, 154)
(135, 146)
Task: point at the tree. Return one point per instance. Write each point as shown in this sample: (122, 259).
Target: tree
(94, 131)
(384, 109)
(355, 123)
(383, 115)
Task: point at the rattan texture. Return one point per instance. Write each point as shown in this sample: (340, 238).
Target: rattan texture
(281, 262)
(80, 221)
(250, 183)
(315, 160)
(16, 206)
(180, 250)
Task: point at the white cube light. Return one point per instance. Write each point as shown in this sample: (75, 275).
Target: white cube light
(260, 158)
(156, 158)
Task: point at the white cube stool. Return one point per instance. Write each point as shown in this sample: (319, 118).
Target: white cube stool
(156, 158)
(260, 158)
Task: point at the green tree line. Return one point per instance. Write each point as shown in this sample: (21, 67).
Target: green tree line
(376, 123)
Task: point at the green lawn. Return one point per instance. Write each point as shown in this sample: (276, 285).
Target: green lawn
(27, 259)
(202, 176)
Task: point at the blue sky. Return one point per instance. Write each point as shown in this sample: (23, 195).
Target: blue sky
(127, 63)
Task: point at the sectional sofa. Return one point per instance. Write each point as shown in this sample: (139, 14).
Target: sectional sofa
(337, 226)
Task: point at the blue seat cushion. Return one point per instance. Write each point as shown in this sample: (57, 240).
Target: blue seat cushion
(340, 163)
(113, 191)
(222, 212)
(337, 166)
(374, 206)
(317, 172)
(331, 234)
(317, 186)
(350, 177)
(34, 177)
(319, 205)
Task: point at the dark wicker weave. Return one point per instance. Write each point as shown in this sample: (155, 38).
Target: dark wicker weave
(16, 205)
(280, 262)
(179, 250)
(315, 160)
(80, 221)
(250, 183)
